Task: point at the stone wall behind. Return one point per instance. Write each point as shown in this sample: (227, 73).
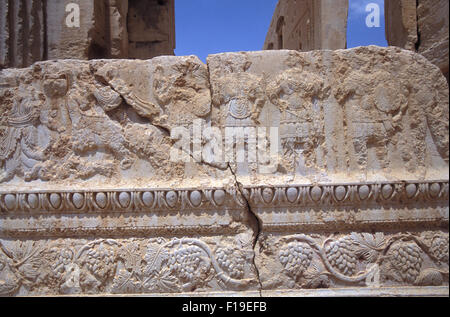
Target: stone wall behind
(35, 30)
(420, 26)
(305, 25)
(308, 25)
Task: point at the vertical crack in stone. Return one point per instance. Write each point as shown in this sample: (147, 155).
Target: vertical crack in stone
(256, 220)
(256, 231)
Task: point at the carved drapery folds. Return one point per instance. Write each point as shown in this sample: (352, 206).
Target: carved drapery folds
(357, 197)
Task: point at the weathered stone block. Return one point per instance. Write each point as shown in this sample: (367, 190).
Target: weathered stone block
(362, 115)
(401, 23)
(354, 197)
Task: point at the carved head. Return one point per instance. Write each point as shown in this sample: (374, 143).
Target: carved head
(66, 256)
(56, 86)
(295, 89)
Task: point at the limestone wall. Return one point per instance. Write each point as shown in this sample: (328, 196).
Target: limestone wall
(35, 30)
(401, 23)
(421, 26)
(347, 193)
(308, 25)
(433, 21)
(22, 32)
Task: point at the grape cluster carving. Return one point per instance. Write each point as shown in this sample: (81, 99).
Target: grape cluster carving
(99, 261)
(406, 259)
(188, 263)
(231, 261)
(439, 248)
(296, 258)
(341, 255)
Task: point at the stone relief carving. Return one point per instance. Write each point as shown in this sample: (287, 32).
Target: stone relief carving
(240, 93)
(111, 118)
(341, 194)
(73, 124)
(392, 120)
(156, 265)
(361, 117)
(314, 261)
(159, 265)
(299, 95)
(365, 194)
(173, 92)
(20, 149)
(376, 112)
(120, 200)
(84, 151)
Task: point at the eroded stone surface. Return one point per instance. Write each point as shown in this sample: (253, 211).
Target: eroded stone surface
(94, 121)
(357, 198)
(401, 23)
(361, 114)
(433, 27)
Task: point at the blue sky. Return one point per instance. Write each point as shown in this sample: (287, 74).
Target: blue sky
(206, 27)
(358, 34)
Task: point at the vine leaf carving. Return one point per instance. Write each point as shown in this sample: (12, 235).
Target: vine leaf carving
(24, 255)
(129, 274)
(30, 270)
(8, 286)
(154, 257)
(130, 254)
(161, 281)
(126, 282)
(316, 277)
(8, 281)
(369, 245)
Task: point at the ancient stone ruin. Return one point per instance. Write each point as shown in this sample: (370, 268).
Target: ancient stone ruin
(317, 173)
(36, 30)
(417, 25)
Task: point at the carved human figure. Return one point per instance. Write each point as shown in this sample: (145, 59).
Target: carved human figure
(93, 130)
(239, 97)
(82, 119)
(24, 141)
(298, 95)
(243, 102)
(374, 105)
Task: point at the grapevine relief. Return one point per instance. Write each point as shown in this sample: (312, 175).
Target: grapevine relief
(364, 258)
(120, 267)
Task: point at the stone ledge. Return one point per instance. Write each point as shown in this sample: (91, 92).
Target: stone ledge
(442, 291)
(141, 200)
